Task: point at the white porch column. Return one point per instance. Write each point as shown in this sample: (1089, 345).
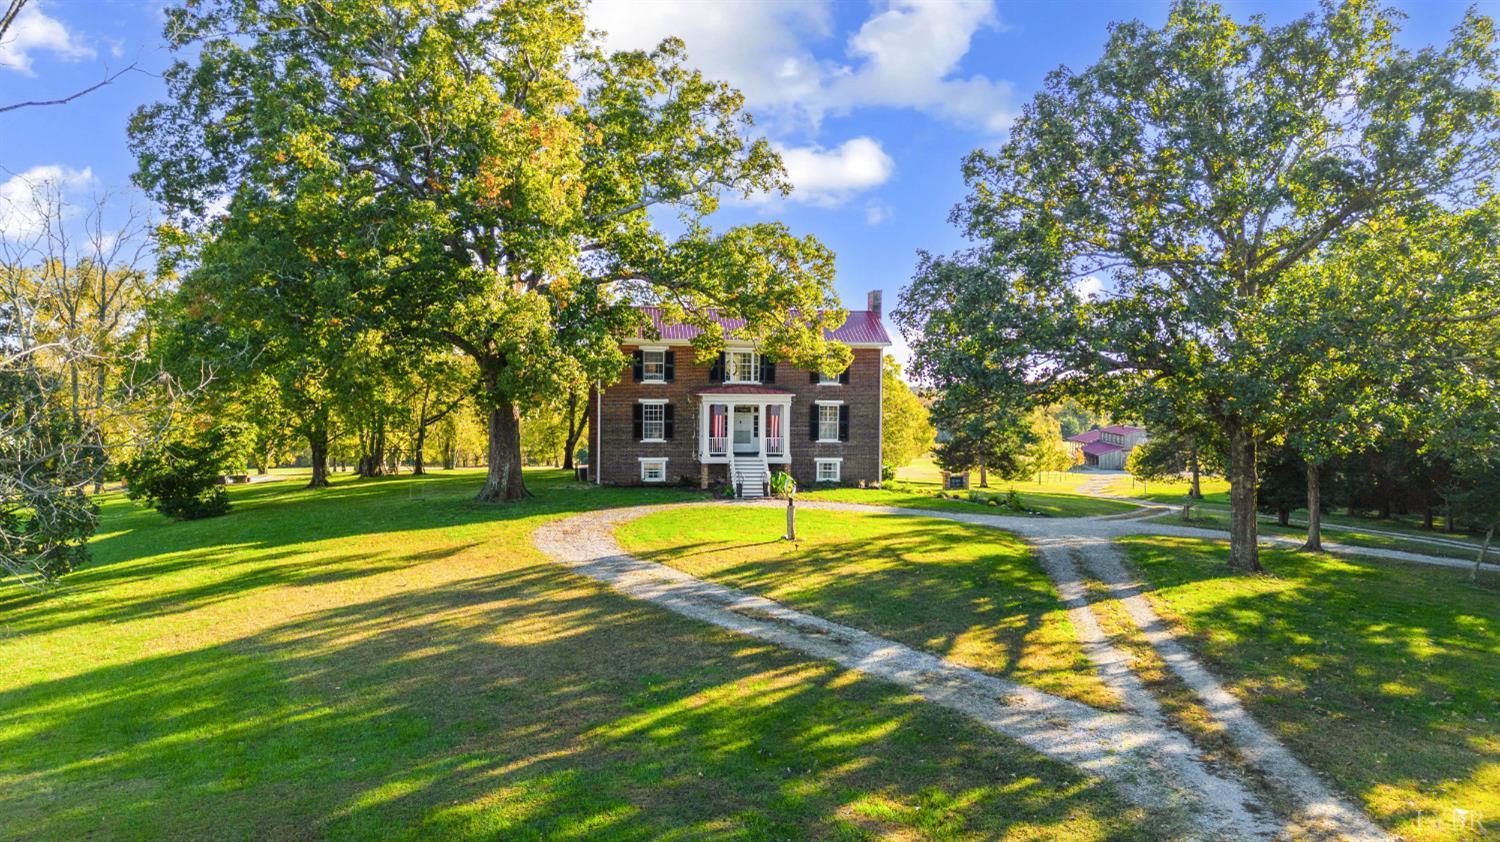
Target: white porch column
(704, 407)
(760, 425)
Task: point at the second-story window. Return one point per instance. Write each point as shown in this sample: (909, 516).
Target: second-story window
(741, 367)
(654, 366)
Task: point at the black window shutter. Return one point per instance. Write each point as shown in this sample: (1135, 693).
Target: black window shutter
(844, 423)
(812, 426)
(670, 366)
(812, 376)
(717, 373)
(637, 364)
(666, 422)
(635, 421)
(844, 375)
(767, 370)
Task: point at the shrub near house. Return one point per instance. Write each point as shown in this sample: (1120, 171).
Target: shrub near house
(740, 417)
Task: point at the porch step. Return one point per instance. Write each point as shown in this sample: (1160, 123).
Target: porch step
(750, 476)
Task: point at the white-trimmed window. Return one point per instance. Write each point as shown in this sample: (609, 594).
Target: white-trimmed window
(653, 470)
(653, 365)
(741, 367)
(828, 422)
(653, 421)
(826, 379)
(829, 470)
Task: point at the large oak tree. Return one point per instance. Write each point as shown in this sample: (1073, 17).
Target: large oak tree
(1191, 169)
(483, 176)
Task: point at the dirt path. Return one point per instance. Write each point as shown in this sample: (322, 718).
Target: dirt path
(1153, 765)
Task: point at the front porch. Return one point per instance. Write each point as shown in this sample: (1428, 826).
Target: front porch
(744, 428)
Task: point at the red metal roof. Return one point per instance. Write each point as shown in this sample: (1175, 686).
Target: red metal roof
(744, 389)
(862, 327)
(1099, 448)
(1089, 436)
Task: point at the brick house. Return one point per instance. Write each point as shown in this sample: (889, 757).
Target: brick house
(742, 416)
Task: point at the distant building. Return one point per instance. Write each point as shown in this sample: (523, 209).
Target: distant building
(1107, 447)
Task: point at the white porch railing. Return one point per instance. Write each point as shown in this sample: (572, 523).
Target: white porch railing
(718, 445)
(775, 445)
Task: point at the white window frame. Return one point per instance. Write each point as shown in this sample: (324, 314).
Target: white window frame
(826, 379)
(661, 363)
(732, 373)
(838, 470)
(658, 463)
(823, 407)
(661, 420)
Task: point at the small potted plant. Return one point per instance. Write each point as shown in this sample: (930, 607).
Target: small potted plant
(782, 485)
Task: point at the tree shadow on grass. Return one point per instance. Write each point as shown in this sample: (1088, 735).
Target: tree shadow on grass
(268, 540)
(968, 593)
(521, 704)
(1381, 674)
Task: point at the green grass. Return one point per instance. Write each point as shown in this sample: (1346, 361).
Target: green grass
(387, 659)
(1043, 503)
(972, 594)
(1219, 519)
(1214, 490)
(1384, 677)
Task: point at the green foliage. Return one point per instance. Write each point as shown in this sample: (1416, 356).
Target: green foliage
(782, 484)
(997, 442)
(482, 176)
(906, 428)
(1194, 169)
(183, 478)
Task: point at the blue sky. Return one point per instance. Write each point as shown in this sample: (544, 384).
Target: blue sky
(873, 104)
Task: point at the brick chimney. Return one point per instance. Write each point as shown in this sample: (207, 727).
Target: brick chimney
(873, 304)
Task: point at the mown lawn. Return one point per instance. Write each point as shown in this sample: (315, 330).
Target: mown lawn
(1385, 677)
(1214, 490)
(388, 659)
(1039, 503)
(972, 594)
(1208, 518)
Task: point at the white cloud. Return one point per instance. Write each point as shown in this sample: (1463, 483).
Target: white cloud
(34, 31)
(1088, 287)
(877, 212)
(906, 55)
(27, 199)
(829, 177)
(756, 46)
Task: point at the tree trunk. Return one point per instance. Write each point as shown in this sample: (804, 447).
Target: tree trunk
(1244, 549)
(317, 441)
(504, 483)
(575, 429)
(1427, 517)
(1196, 492)
(984, 477)
(1483, 551)
(1314, 510)
(1283, 516)
(419, 452)
(1385, 508)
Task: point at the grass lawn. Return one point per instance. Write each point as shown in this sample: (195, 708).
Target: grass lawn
(1044, 503)
(1384, 677)
(1214, 490)
(387, 659)
(972, 594)
(1210, 518)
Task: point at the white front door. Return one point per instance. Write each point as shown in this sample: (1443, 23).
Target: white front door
(746, 430)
